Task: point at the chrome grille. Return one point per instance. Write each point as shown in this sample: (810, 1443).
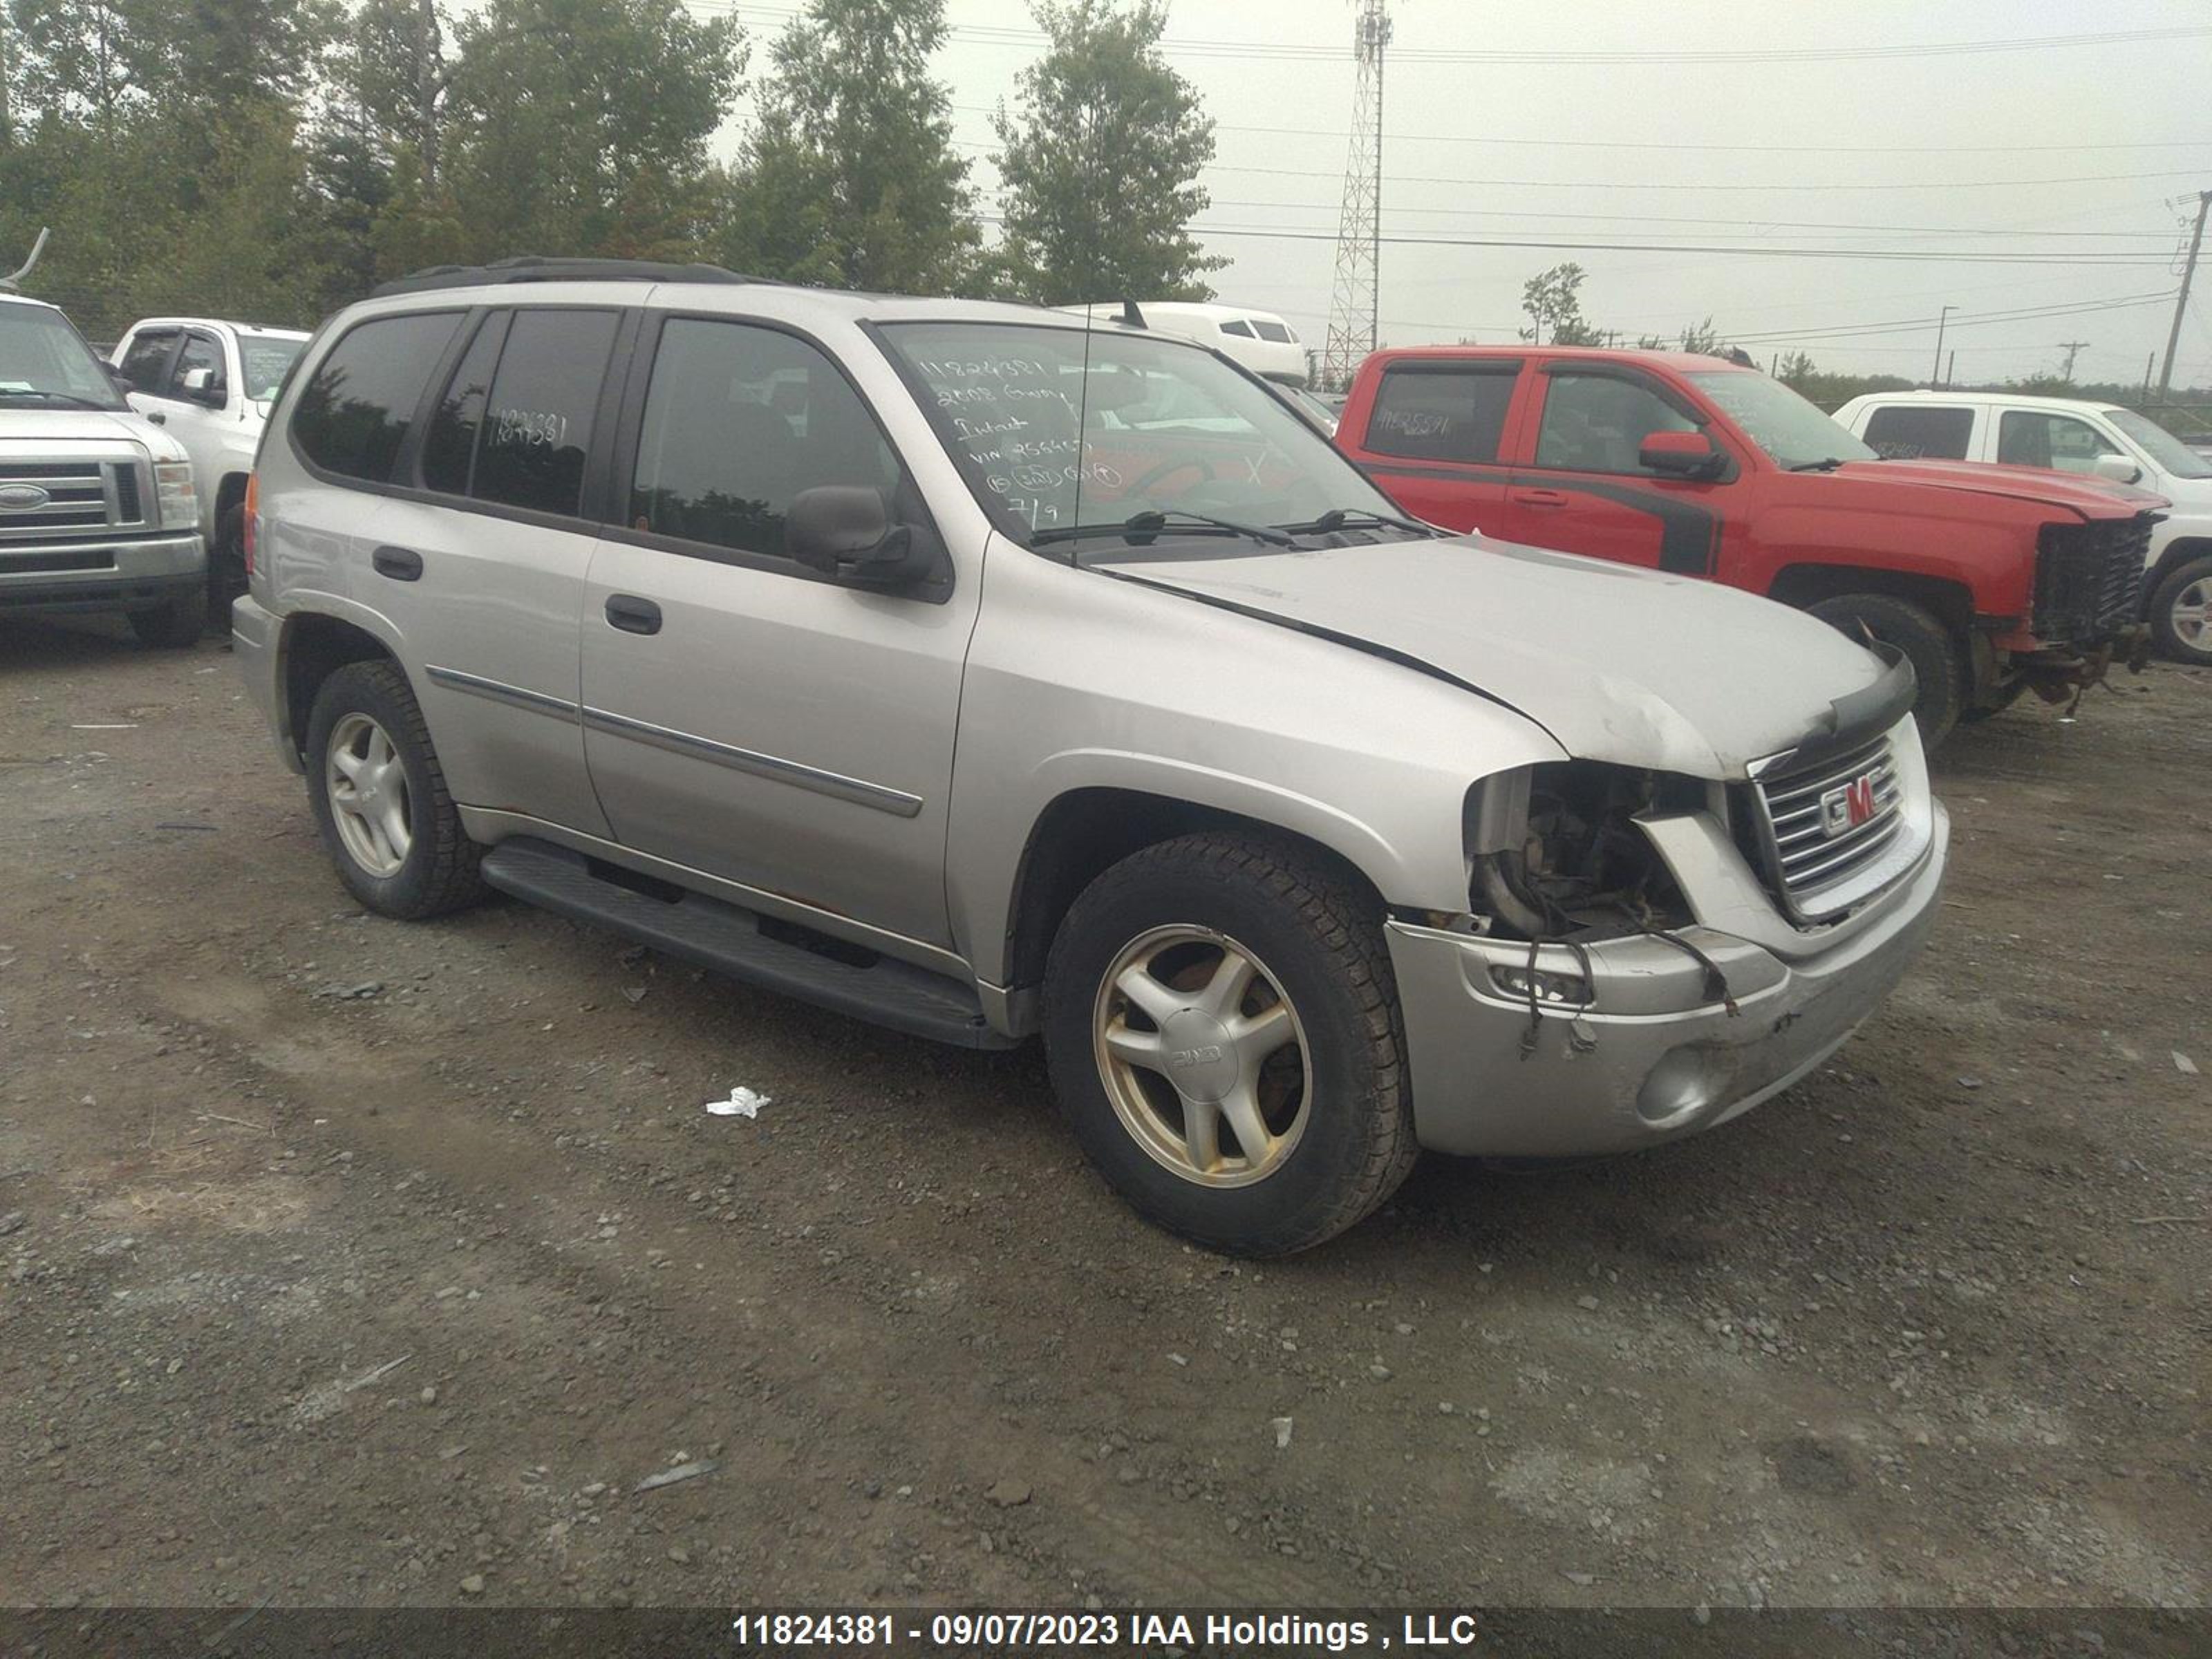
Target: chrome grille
(1812, 849)
(82, 498)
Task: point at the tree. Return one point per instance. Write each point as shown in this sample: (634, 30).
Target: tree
(1102, 165)
(391, 75)
(219, 56)
(580, 127)
(850, 178)
(1552, 299)
(83, 61)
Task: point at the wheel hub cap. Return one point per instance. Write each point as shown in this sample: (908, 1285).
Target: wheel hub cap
(1202, 1056)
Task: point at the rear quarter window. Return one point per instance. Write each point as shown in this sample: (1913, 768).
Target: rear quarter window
(1898, 434)
(355, 411)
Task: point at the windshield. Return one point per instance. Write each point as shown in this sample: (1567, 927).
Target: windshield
(267, 361)
(1052, 444)
(1790, 430)
(2176, 457)
(44, 359)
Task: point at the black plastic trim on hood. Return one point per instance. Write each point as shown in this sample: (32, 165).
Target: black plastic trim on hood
(1404, 659)
(1854, 718)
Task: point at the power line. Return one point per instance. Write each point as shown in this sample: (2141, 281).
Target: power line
(1927, 256)
(1962, 319)
(999, 34)
(1748, 224)
(1636, 144)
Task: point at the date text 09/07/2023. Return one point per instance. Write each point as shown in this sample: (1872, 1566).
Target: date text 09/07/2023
(1163, 1630)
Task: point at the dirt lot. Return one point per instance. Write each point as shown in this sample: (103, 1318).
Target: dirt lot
(346, 1261)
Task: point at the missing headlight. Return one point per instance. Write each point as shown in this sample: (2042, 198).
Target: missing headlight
(1555, 849)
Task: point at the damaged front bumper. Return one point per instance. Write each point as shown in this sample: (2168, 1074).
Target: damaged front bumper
(1656, 1055)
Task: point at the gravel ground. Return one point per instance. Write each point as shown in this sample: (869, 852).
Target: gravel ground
(345, 1261)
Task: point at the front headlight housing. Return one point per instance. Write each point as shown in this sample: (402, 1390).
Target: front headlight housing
(178, 496)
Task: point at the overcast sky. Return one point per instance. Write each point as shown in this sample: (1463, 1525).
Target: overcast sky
(2085, 150)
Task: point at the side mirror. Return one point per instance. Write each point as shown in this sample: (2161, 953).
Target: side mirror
(199, 384)
(2118, 468)
(1679, 454)
(846, 533)
(122, 382)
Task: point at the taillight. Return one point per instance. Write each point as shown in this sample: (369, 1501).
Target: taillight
(250, 526)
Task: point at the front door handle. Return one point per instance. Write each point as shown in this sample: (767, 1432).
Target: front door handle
(402, 565)
(633, 614)
(1539, 498)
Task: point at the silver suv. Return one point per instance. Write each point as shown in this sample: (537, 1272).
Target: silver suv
(984, 672)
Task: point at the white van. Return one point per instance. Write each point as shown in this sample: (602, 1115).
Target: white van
(2069, 434)
(1260, 340)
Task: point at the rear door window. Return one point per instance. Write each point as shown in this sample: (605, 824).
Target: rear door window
(144, 363)
(355, 411)
(1442, 413)
(1901, 431)
(538, 414)
(449, 445)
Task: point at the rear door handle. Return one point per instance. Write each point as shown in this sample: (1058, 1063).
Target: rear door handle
(633, 614)
(1539, 498)
(402, 565)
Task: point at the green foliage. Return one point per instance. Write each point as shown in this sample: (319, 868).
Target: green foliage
(851, 177)
(1102, 163)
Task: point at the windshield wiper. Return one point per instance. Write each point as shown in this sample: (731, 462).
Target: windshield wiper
(70, 398)
(1340, 517)
(1151, 523)
(1826, 464)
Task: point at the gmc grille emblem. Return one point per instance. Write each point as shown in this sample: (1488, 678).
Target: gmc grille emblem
(1846, 807)
(22, 498)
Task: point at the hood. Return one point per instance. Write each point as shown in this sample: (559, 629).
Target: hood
(45, 424)
(2093, 498)
(1616, 664)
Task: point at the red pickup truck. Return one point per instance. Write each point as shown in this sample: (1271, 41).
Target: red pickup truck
(1992, 580)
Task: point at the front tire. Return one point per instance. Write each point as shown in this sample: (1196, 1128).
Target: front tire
(1222, 1030)
(2181, 613)
(1938, 662)
(380, 798)
(174, 625)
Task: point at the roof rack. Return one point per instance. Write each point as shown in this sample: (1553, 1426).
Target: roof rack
(536, 268)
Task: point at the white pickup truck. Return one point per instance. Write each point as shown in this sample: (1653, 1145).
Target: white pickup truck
(2072, 434)
(211, 384)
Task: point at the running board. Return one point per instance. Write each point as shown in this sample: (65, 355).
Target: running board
(742, 944)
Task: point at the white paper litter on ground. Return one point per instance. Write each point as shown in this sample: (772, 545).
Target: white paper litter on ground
(742, 1103)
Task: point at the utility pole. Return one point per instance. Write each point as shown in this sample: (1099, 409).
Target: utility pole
(2181, 300)
(2072, 349)
(1951, 369)
(1355, 309)
(2150, 363)
(1935, 369)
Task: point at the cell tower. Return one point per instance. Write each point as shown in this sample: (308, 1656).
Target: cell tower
(1354, 307)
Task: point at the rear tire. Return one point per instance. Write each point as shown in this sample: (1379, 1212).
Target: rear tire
(174, 625)
(380, 798)
(1938, 659)
(2181, 613)
(225, 571)
(1263, 990)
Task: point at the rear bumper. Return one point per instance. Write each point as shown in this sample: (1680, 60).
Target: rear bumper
(1659, 1058)
(137, 575)
(255, 634)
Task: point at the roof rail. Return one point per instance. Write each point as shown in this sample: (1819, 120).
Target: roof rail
(536, 268)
